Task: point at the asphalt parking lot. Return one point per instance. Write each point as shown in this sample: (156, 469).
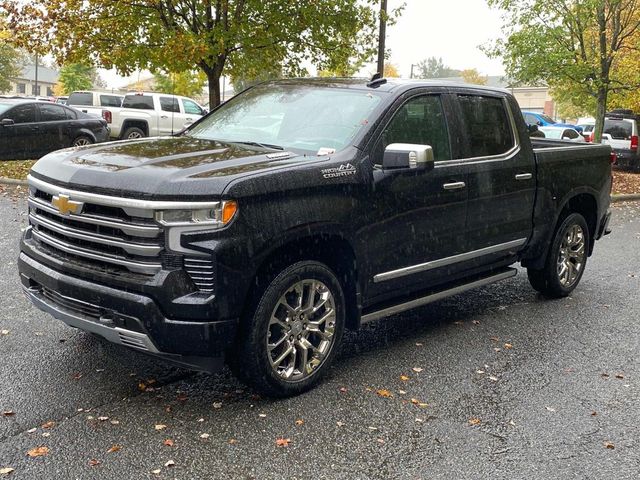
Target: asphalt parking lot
(497, 383)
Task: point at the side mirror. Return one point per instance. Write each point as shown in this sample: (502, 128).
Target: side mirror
(532, 128)
(408, 155)
(6, 122)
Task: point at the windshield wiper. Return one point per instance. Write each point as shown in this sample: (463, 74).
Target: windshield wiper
(263, 145)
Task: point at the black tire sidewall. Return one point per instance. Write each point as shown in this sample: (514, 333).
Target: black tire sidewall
(253, 366)
(551, 273)
(132, 129)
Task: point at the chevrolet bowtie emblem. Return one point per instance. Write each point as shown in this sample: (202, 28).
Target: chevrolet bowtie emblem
(66, 206)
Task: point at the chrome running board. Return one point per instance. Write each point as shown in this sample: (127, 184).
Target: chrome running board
(418, 302)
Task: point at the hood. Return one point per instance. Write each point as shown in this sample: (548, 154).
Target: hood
(159, 167)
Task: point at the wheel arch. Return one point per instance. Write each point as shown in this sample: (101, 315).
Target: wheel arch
(141, 124)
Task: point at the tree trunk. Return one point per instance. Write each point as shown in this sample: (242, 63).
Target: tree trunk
(213, 76)
(601, 110)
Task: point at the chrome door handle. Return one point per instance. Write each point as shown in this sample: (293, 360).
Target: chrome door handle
(164, 116)
(524, 176)
(189, 119)
(454, 185)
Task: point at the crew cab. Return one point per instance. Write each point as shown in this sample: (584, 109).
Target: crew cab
(153, 114)
(299, 209)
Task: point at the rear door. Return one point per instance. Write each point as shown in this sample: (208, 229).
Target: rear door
(416, 218)
(502, 178)
(55, 128)
(169, 115)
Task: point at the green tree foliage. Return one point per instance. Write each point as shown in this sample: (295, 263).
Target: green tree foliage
(238, 38)
(471, 75)
(434, 67)
(573, 46)
(187, 83)
(10, 59)
(76, 76)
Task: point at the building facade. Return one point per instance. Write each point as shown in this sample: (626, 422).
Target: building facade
(25, 84)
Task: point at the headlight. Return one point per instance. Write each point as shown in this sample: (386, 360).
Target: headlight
(215, 217)
(179, 221)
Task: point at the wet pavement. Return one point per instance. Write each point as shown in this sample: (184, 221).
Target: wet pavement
(496, 383)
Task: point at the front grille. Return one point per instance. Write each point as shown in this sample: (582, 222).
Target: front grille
(202, 272)
(86, 309)
(103, 236)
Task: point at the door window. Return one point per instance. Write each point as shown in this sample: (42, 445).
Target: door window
(110, 101)
(22, 114)
(570, 134)
(81, 98)
(169, 104)
(420, 121)
(52, 113)
(191, 107)
(487, 126)
(140, 102)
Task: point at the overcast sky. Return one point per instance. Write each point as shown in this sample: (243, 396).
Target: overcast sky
(451, 29)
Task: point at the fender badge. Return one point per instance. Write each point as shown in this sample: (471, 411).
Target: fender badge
(343, 170)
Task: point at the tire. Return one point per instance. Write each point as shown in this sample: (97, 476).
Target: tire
(82, 141)
(566, 260)
(278, 321)
(133, 133)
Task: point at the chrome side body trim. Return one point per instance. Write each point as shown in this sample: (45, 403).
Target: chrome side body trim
(385, 312)
(121, 202)
(443, 262)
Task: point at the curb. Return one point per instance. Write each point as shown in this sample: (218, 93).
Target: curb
(13, 181)
(625, 197)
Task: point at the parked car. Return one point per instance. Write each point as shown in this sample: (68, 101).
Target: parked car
(153, 114)
(301, 208)
(622, 127)
(95, 103)
(30, 129)
(562, 133)
(64, 100)
(542, 120)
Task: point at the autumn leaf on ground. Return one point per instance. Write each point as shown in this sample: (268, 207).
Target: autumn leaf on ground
(217, 405)
(232, 441)
(160, 426)
(8, 413)
(609, 445)
(342, 390)
(299, 422)
(77, 376)
(6, 470)
(205, 436)
(142, 386)
(93, 462)
(168, 442)
(170, 463)
(619, 376)
(404, 378)
(156, 471)
(4, 332)
(48, 424)
(474, 421)
(114, 449)
(417, 369)
(283, 442)
(38, 452)
(508, 346)
(384, 393)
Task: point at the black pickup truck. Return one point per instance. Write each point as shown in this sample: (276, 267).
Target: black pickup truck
(300, 208)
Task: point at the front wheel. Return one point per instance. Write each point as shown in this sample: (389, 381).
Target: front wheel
(566, 259)
(291, 338)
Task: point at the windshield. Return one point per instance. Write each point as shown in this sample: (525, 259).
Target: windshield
(547, 119)
(304, 117)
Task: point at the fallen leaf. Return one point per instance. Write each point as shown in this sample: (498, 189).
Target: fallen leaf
(217, 405)
(156, 471)
(32, 430)
(476, 322)
(384, 393)
(380, 440)
(283, 442)
(114, 422)
(168, 442)
(594, 413)
(619, 376)
(170, 463)
(114, 449)
(342, 390)
(340, 424)
(160, 426)
(142, 386)
(38, 452)
(373, 428)
(77, 376)
(46, 434)
(4, 332)
(48, 424)
(103, 419)
(609, 445)
(604, 375)
(404, 378)
(6, 470)
(417, 369)
(508, 346)
(204, 436)
(93, 462)
(480, 372)
(551, 409)
(8, 413)
(402, 392)
(492, 378)
(419, 344)
(474, 421)
(299, 422)
(262, 415)
(232, 441)
(496, 349)
(494, 339)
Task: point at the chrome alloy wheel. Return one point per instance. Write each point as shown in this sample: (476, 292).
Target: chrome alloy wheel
(571, 256)
(81, 142)
(301, 330)
(134, 136)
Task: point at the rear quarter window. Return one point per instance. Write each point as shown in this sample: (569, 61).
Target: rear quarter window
(140, 102)
(487, 125)
(80, 98)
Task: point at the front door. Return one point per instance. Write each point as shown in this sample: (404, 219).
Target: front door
(22, 140)
(415, 218)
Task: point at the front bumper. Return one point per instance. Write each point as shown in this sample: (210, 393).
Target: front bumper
(126, 318)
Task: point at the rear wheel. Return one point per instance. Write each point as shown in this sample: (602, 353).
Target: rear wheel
(82, 141)
(566, 259)
(133, 133)
(291, 338)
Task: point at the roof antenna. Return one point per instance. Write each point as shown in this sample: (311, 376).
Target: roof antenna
(376, 80)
